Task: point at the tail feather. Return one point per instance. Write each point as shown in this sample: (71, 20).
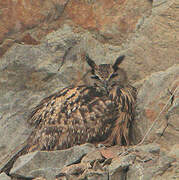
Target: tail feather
(126, 105)
(7, 162)
(120, 131)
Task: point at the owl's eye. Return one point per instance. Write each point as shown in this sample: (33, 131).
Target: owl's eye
(113, 75)
(94, 77)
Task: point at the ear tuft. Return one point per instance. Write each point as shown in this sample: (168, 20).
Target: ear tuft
(118, 62)
(90, 62)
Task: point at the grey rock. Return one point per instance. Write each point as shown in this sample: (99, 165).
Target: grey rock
(144, 170)
(158, 2)
(48, 164)
(135, 171)
(92, 156)
(3, 176)
(149, 148)
(153, 93)
(174, 152)
(74, 169)
(158, 166)
(47, 173)
(119, 166)
(164, 163)
(93, 175)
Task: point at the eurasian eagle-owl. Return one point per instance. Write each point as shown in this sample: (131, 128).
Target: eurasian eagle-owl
(101, 113)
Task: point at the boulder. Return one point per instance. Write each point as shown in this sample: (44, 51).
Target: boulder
(48, 164)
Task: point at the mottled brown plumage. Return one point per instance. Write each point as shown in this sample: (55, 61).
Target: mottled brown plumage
(101, 113)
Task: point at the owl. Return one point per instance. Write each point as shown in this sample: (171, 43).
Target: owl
(100, 113)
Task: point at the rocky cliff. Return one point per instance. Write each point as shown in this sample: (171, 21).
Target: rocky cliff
(40, 52)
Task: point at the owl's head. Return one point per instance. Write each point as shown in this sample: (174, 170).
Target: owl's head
(106, 76)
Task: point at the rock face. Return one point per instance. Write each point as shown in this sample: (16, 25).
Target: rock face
(41, 46)
(19, 19)
(136, 162)
(3, 176)
(106, 18)
(49, 164)
(158, 99)
(112, 21)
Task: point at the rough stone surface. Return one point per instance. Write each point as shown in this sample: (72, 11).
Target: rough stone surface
(74, 169)
(133, 163)
(48, 164)
(3, 176)
(154, 97)
(40, 53)
(150, 148)
(175, 151)
(119, 166)
(93, 175)
(28, 21)
(150, 167)
(108, 19)
(153, 36)
(93, 156)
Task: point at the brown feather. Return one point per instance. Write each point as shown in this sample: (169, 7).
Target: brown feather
(102, 112)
